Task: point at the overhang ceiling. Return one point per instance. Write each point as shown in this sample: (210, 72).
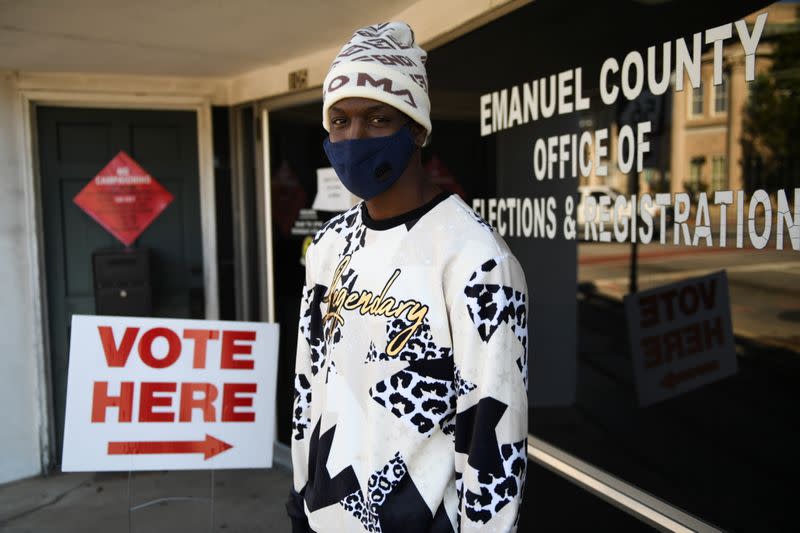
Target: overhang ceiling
(215, 38)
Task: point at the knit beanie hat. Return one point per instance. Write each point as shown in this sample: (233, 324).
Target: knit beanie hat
(381, 62)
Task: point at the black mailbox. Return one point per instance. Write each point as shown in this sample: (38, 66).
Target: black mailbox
(122, 282)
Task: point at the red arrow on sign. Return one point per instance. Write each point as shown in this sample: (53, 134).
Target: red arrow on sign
(208, 447)
(676, 378)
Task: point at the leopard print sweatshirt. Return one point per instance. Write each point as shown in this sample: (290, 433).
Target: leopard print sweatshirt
(410, 410)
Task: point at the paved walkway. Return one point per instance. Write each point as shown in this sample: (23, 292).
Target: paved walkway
(244, 501)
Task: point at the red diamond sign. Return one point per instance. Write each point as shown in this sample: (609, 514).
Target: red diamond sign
(124, 198)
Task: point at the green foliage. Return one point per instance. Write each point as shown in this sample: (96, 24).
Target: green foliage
(771, 129)
(694, 188)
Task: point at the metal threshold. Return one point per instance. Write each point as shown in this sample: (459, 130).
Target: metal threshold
(618, 493)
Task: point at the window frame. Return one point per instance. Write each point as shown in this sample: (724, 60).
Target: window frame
(721, 94)
(692, 94)
(719, 174)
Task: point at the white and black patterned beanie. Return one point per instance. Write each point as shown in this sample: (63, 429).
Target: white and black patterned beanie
(381, 62)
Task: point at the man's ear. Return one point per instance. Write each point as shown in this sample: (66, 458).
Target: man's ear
(419, 133)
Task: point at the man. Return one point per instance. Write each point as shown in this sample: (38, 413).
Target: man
(410, 406)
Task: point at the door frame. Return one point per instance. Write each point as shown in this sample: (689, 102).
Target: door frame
(261, 112)
(30, 99)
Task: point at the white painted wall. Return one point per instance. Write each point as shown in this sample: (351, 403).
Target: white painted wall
(20, 411)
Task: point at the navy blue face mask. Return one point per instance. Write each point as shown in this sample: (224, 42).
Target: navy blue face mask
(368, 167)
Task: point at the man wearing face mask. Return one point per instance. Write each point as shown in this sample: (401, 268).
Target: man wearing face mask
(410, 409)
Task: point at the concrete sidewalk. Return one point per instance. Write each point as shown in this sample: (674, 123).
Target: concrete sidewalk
(244, 501)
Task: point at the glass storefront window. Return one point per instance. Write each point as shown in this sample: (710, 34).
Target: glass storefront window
(659, 235)
(654, 206)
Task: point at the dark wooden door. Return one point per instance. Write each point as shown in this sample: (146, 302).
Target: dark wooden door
(74, 145)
